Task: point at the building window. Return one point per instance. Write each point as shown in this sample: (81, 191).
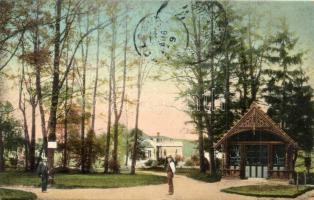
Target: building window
(165, 152)
(278, 155)
(234, 155)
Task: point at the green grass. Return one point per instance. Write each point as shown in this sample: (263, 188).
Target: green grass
(299, 164)
(83, 180)
(189, 172)
(8, 194)
(283, 191)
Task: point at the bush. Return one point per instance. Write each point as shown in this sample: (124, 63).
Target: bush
(189, 163)
(149, 163)
(178, 158)
(13, 162)
(195, 159)
(114, 166)
(162, 161)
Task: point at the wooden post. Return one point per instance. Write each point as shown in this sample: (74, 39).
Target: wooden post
(270, 159)
(226, 155)
(297, 181)
(242, 161)
(286, 157)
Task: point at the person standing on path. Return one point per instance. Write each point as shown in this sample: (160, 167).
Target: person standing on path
(171, 169)
(43, 172)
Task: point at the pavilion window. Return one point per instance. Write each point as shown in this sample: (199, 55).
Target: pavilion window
(234, 156)
(278, 157)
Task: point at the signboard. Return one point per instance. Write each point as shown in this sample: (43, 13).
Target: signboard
(52, 145)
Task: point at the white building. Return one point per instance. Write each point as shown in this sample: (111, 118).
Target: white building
(161, 147)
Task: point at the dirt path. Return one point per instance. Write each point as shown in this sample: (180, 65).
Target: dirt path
(185, 189)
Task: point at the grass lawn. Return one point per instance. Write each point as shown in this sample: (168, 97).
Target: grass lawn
(8, 194)
(83, 180)
(283, 191)
(189, 172)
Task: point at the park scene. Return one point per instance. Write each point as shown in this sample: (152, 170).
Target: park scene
(156, 100)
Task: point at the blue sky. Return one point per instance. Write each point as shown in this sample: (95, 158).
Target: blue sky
(160, 112)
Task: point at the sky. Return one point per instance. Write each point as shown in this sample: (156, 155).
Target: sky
(160, 110)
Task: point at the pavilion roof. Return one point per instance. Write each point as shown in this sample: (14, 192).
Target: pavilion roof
(256, 119)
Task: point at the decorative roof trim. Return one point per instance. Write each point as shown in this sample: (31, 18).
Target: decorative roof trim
(254, 119)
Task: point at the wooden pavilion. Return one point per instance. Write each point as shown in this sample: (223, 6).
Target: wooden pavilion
(257, 147)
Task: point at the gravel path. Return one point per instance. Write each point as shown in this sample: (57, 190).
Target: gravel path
(185, 189)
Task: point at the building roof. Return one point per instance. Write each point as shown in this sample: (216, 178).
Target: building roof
(147, 144)
(256, 119)
(170, 144)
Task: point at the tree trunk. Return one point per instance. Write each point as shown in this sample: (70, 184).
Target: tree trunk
(1, 152)
(55, 87)
(227, 92)
(118, 111)
(210, 123)
(139, 88)
(22, 109)
(96, 77)
(33, 139)
(84, 166)
(115, 143)
(200, 126)
(65, 150)
(26, 142)
(200, 91)
(39, 88)
(83, 155)
(107, 148)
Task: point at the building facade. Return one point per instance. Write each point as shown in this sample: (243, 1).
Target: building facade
(160, 147)
(257, 147)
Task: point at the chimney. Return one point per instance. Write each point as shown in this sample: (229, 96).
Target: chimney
(158, 137)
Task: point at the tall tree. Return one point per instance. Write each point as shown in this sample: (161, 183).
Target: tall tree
(281, 54)
(22, 107)
(137, 112)
(118, 101)
(65, 23)
(85, 49)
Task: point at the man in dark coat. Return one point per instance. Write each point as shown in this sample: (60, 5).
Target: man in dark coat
(171, 169)
(43, 172)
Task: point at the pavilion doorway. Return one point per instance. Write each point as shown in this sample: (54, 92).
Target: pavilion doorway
(256, 161)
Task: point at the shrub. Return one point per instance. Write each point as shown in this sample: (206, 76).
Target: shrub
(114, 166)
(162, 161)
(13, 162)
(189, 163)
(178, 158)
(149, 163)
(195, 159)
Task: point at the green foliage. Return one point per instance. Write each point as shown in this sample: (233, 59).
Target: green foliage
(114, 166)
(90, 151)
(280, 191)
(300, 166)
(140, 147)
(11, 131)
(287, 91)
(189, 163)
(149, 163)
(9, 194)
